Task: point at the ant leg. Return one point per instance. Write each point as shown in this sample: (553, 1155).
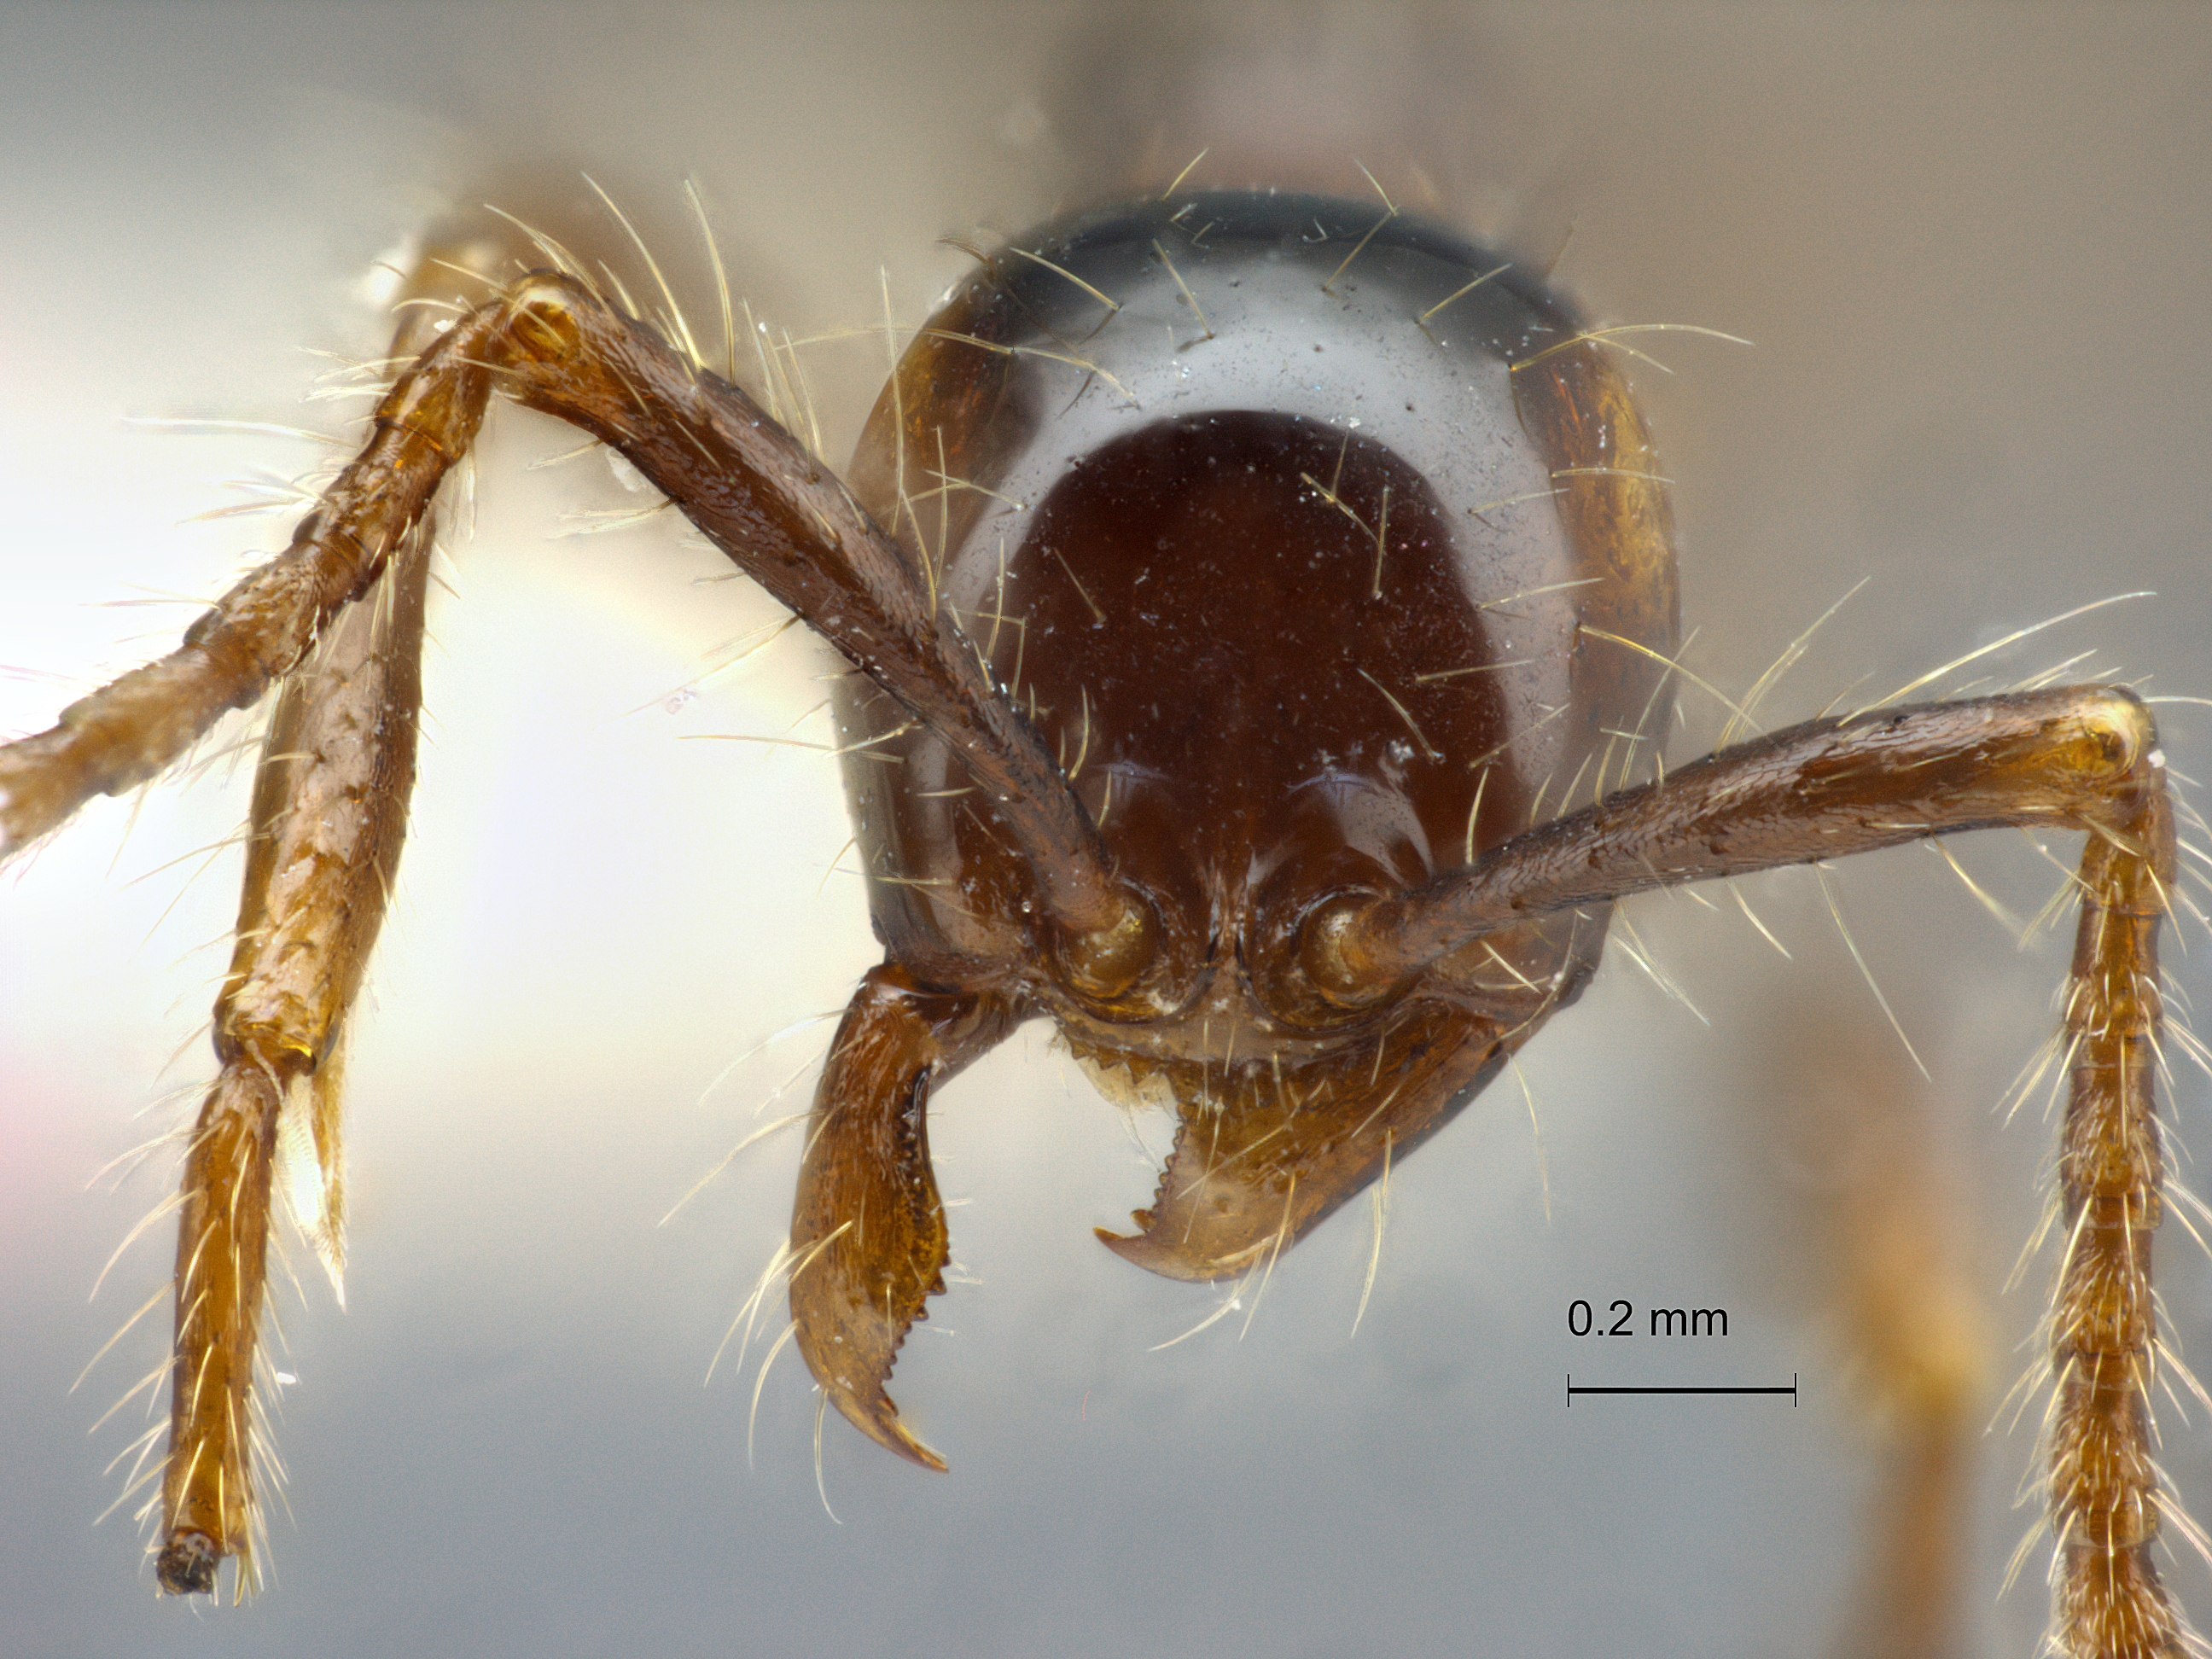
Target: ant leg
(263, 627)
(2085, 758)
(868, 1241)
(551, 342)
(785, 521)
(312, 908)
(330, 809)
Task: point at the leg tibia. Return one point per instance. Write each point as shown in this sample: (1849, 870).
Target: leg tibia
(2105, 1488)
(265, 626)
(2083, 758)
(330, 804)
(2079, 757)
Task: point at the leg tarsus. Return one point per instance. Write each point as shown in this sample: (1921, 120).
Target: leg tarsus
(330, 807)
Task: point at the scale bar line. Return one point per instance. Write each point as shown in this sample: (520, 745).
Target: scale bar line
(1573, 1388)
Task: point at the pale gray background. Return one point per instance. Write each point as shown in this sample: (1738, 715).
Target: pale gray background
(1973, 248)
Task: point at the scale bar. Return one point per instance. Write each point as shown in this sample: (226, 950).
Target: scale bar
(1789, 1389)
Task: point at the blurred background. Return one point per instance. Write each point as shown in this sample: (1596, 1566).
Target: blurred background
(1969, 245)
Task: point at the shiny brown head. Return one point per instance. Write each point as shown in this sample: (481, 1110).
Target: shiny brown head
(1316, 545)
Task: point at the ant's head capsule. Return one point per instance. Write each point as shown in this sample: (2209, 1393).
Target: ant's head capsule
(1310, 597)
